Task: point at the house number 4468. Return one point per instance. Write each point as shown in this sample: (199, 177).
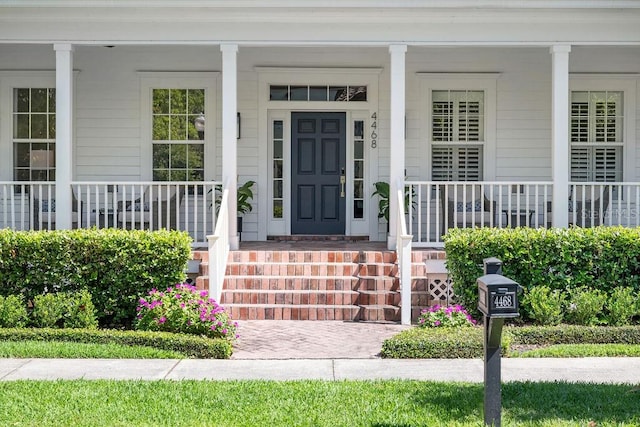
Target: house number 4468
(374, 126)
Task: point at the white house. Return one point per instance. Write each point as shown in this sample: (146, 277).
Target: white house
(129, 113)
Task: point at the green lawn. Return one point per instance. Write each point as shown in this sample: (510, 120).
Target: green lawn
(309, 403)
(71, 350)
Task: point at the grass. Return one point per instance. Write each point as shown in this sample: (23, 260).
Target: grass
(309, 403)
(71, 350)
(582, 350)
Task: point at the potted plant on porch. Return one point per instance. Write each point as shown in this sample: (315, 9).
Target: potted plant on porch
(244, 195)
(382, 191)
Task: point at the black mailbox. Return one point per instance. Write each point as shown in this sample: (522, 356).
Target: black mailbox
(498, 296)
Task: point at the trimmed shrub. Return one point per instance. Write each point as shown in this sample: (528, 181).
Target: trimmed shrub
(621, 306)
(192, 346)
(584, 306)
(182, 308)
(48, 310)
(64, 310)
(438, 343)
(13, 313)
(574, 334)
(116, 266)
(544, 305)
(600, 258)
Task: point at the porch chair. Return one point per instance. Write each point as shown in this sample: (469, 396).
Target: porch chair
(156, 209)
(44, 213)
(478, 212)
(589, 212)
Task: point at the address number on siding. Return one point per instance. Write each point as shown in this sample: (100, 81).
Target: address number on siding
(374, 126)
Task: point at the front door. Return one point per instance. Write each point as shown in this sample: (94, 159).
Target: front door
(318, 159)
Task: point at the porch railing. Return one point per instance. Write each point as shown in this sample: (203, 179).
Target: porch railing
(403, 251)
(27, 205)
(219, 249)
(434, 207)
(187, 206)
(597, 203)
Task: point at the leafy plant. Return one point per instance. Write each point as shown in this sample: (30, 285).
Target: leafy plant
(584, 306)
(545, 305)
(383, 192)
(184, 309)
(116, 266)
(13, 312)
(48, 310)
(244, 195)
(64, 310)
(605, 257)
(621, 307)
(439, 316)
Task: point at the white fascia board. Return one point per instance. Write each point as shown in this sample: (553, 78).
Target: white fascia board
(434, 4)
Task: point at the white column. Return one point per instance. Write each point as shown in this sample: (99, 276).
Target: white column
(229, 137)
(64, 134)
(560, 134)
(396, 146)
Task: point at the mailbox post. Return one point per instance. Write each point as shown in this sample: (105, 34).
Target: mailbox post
(497, 300)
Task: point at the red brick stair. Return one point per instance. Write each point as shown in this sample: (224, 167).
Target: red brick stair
(319, 284)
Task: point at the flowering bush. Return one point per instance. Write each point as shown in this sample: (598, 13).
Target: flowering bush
(184, 309)
(440, 316)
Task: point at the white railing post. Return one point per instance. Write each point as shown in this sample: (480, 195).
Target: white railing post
(403, 251)
(219, 249)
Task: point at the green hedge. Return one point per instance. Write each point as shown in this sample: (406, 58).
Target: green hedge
(455, 343)
(598, 258)
(192, 346)
(438, 343)
(114, 265)
(572, 334)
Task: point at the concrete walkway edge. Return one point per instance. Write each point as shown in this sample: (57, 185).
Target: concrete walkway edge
(592, 370)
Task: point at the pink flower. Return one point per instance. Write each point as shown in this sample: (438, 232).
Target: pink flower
(162, 320)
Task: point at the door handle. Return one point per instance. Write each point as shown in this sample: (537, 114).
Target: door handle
(343, 181)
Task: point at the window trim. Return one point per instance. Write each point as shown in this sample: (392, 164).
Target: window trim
(207, 80)
(486, 82)
(625, 83)
(10, 80)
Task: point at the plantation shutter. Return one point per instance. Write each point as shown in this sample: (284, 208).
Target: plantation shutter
(596, 136)
(457, 163)
(457, 135)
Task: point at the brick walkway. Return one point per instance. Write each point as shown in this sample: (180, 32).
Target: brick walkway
(286, 339)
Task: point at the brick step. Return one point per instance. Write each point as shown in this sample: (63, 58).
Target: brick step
(423, 255)
(378, 283)
(290, 297)
(375, 298)
(293, 312)
(313, 256)
(312, 283)
(377, 313)
(292, 269)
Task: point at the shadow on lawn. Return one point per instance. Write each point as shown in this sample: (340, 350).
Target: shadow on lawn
(539, 402)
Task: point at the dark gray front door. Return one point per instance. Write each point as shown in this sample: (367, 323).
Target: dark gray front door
(318, 142)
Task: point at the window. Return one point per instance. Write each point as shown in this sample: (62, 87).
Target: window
(178, 117)
(278, 172)
(457, 135)
(596, 136)
(358, 169)
(34, 133)
(351, 93)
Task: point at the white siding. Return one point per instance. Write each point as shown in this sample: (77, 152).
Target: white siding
(108, 140)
